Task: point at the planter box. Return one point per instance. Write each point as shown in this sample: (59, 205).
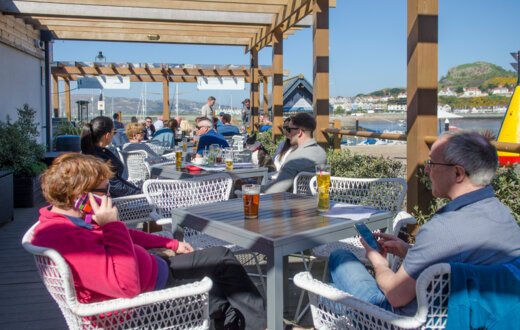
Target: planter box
(27, 192)
(6, 202)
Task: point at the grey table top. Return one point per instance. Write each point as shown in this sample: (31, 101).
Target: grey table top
(286, 222)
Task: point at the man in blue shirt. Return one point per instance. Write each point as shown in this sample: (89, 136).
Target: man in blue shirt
(473, 228)
(208, 136)
(226, 129)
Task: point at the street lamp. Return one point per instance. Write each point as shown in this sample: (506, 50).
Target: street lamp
(100, 57)
(101, 103)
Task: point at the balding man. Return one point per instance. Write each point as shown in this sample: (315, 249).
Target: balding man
(208, 136)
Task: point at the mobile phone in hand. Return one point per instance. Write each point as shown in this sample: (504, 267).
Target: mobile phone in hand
(367, 235)
(83, 204)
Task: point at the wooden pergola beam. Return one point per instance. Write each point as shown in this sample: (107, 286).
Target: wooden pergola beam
(320, 99)
(422, 80)
(55, 96)
(277, 83)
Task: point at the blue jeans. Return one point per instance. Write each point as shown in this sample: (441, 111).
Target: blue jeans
(349, 274)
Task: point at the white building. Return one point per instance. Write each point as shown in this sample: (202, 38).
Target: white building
(501, 91)
(473, 92)
(446, 91)
(397, 108)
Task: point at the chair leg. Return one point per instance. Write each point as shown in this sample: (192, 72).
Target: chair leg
(260, 274)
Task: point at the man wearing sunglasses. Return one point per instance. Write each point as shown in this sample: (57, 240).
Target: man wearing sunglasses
(304, 158)
(474, 228)
(208, 136)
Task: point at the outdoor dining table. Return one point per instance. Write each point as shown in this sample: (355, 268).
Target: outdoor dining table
(171, 172)
(287, 223)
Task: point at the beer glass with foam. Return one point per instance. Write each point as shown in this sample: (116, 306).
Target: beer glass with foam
(251, 196)
(323, 183)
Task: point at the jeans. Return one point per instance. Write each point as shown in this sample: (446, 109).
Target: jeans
(349, 274)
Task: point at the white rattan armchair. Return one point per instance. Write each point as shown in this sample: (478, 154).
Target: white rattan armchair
(158, 147)
(301, 183)
(335, 309)
(136, 167)
(182, 307)
(133, 210)
(166, 195)
(165, 159)
(382, 193)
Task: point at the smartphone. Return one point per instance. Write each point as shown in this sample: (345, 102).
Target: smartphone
(83, 203)
(367, 235)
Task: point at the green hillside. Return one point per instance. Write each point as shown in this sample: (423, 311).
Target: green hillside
(473, 75)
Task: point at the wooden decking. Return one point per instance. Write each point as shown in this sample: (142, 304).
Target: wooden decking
(24, 301)
(26, 304)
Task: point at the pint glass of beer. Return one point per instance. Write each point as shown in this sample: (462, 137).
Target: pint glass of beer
(178, 157)
(323, 182)
(251, 196)
(228, 158)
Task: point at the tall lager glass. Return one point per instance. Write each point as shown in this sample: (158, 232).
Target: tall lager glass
(178, 157)
(323, 183)
(251, 196)
(228, 158)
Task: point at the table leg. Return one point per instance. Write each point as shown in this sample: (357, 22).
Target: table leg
(275, 292)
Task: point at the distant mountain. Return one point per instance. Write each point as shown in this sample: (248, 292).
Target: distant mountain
(392, 92)
(473, 75)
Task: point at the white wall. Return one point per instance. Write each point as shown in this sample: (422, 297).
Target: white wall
(21, 81)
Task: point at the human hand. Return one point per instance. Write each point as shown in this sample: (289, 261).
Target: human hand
(374, 256)
(184, 248)
(104, 212)
(392, 244)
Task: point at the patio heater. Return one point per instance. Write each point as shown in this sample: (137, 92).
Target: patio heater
(101, 103)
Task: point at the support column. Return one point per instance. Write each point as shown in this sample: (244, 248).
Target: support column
(253, 119)
(421, 93)
(320, 100)
(166, 99)
(277, 83)
(55, 96)
(265, 110)
(68, 113)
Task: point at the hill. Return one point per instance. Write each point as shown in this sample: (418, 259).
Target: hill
(474, 75)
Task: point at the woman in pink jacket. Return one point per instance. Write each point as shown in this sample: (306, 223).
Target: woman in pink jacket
(109, 260)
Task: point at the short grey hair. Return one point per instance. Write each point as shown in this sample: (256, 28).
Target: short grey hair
(475, 153)
(205, 123)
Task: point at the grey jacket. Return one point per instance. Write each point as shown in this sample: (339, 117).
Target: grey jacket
(303, 159)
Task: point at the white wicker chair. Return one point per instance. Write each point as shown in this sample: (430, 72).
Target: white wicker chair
(136, 167)
(382, 193)
(301, 183)
(334, 309)
(133, 210)
(165, 159)
(166, 195)
(182, 307)
(158, 147)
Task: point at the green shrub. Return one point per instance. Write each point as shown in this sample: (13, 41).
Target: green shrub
(346, 164)
(19, 150)
(267, 141)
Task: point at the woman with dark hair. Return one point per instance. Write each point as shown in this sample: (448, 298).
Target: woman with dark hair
(283, 150)
(95, 136)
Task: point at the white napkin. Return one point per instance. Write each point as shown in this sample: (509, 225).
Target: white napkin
(350, 211)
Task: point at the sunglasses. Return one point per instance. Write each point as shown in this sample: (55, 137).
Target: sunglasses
(289, 129)
(105, 191)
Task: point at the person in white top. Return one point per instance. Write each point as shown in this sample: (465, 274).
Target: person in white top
(283, 150)
(159, 123)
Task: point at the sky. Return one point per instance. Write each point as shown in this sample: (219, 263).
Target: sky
(367, 47)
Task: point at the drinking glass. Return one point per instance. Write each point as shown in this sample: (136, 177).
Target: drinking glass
(251, 196)
(178, 157)
(228, 158)
(323, 182)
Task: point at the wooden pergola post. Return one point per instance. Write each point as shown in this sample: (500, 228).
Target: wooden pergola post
(320, 99)
(166, 99)
(421, 94)
(68, 112)
(55, 96)
(265, 99)
(277, 83)
(254, 89)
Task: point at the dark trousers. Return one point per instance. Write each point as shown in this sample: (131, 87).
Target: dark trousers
(234, 300)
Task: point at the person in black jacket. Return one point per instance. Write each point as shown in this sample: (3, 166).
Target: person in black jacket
(95, 136)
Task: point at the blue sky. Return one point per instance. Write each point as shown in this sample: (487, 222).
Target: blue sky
(367, 47)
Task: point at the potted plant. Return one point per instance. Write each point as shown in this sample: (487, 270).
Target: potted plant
(21, 153)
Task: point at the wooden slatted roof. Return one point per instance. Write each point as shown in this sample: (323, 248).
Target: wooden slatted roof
(214, 22)
(153, 72)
